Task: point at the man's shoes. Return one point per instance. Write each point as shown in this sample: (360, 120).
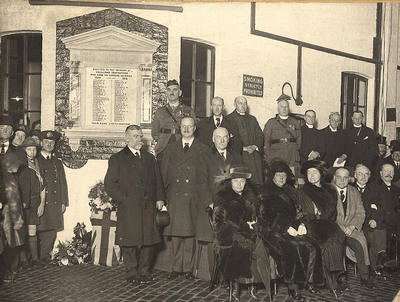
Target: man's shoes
(367, 283)
(235, 291)
(253, 292)
(144, 279)
(189, 276)
(24, 267)
(381, 259)
(132, 280)
(173, 275)
(312, 289)
(295, 295)
(36, 264)
(342, 282)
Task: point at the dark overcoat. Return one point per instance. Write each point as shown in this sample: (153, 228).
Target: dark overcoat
(250, 134)
(311, 140)
(335, 144)
(135, 184)
(56, 193)
(206, 127)
(214, 164)
(362, 146)
(180, 172)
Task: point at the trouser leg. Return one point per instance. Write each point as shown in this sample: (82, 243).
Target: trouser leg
(358, 250)
(129, 254)
(177, 254)
(46, 244)
(211, 257)
(189, 247)
(33, 247)
(145, 258)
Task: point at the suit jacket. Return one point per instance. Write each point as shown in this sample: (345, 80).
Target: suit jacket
(56, 193)
(335, 144)
(354, 216)
(213, 165)
(362, 146)
(135, 184)
(250, 134)
(311, 140)
(206, 127)
(180, 172)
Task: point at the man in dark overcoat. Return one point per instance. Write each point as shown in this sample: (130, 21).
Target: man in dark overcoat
(180, 170)
(217, 162)
(252, 139)
(206, 127)
(361, 143)
(56, 201)
(334, 140)
(133, 181)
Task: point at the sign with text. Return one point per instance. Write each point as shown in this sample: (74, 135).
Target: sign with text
(253, 86)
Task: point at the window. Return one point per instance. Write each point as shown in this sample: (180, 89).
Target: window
(197, 75)
(20, 76)
(354, 96)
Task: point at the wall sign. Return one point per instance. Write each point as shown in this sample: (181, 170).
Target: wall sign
(253, 86)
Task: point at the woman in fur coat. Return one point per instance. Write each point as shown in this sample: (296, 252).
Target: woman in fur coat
(244, 259)
(318, 201)
(298, 258)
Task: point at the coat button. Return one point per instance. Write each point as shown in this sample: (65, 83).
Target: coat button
(177, 180)
(187, 180)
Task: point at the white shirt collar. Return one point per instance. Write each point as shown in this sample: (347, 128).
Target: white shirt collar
(241, 113)
(6, 144)
(134, 151)
(310, 126)
(190, 141)
(333, 130)
(344, 190)
(220, 120)
(46, 154)
(360, 186)
(283, 117)
(355, 126)
(220, 151)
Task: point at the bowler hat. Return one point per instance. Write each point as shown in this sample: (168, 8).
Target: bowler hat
(48, 134)
(396, 147)
(5, 120)
(162, 218)
(380, 139)
(29, 142)
(172, 83)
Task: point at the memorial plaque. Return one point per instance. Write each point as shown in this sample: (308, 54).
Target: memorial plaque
(111, 95)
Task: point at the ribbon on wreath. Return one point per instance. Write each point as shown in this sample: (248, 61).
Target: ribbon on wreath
(104, 250)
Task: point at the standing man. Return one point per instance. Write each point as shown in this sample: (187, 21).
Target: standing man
(252, 138)
(218, 160)
(165, 126)
(350, 218)
(6, 131)
(334, 140)
(282, 137)
(133, 180)
(361, 142)
(56, 201)
(206, 127)
(394, 160)
(180, 170)
(312, 146)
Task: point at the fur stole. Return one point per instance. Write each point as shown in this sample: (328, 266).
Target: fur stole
(325, 198)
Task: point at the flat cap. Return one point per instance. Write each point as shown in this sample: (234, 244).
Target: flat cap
(49, 134)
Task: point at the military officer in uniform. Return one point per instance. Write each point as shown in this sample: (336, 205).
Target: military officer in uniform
(167, 119)
(282, 136)
(56, 201)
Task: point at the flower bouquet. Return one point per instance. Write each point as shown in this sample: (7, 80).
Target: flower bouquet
(99, 200)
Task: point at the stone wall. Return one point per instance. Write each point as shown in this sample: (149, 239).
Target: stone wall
(102, 149)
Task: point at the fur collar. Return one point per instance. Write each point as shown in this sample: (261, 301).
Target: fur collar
(324, 197)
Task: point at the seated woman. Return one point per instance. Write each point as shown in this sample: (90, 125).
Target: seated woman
(244, 258)
(32, 195)
(298, 260)
(318, 201)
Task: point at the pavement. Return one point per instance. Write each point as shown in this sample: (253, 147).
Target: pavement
(91, 283)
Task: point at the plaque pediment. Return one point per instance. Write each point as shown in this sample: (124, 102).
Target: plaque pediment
(110, 38)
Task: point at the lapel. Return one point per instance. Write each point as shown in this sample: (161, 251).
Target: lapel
(135, 164)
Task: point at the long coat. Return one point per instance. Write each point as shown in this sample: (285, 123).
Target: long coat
(213, 165)
(335, 144)
(362, 146)
(311, 140)
(56, 193)
(206, 127)
(180, 172)
(276, 129)
(166, 123)
(250, 134)
(135, 184)
(355, 216)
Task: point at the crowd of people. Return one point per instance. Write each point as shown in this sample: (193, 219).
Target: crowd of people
(235, 190)
(33, 197)
(288, 201)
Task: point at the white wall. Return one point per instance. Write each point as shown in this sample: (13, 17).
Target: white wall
(227, 27)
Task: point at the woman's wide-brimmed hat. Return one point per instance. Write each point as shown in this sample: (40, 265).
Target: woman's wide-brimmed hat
(162, 218)
(317, 164)
(239, 172)
(29, 142)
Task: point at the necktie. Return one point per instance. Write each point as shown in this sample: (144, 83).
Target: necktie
(48, 157)
(397, 165)
(3, 148)
(186, 148)
(343, 199)
(223, 155)
(388, 187)
(218, 121)
(137, 154)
